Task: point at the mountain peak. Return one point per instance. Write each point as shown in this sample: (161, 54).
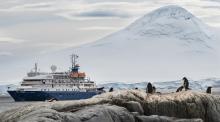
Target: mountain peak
(172, 11)
(172, 21)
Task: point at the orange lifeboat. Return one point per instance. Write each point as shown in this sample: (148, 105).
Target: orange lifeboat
(82, 74)
(78, 75)
(74, 75)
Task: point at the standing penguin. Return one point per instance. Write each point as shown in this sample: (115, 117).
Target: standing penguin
(154, 89)
(149, 88)
(179, 89)
(184, 86)
(111, 89)
(209, 90)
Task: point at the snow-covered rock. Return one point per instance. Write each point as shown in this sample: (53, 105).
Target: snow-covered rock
(185, 106)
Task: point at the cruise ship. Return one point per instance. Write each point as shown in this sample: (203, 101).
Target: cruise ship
(70, 85)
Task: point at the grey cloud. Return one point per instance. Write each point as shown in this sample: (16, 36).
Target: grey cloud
(5, 54)
(214, 7)
(102, 1)
(38, 6)
(211, 0)
(14, 18)
(104, 13)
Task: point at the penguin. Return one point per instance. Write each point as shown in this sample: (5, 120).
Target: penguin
(154, 89)
(209, 90)
(185, 84)
(149, 88)
(179, 89)
(111, 89)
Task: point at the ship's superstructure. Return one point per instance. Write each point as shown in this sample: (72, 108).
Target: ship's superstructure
(55, 85)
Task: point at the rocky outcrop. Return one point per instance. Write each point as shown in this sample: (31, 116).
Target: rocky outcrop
(156, 118)
(123, 106)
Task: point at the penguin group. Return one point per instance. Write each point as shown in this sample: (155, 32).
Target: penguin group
(184, 87)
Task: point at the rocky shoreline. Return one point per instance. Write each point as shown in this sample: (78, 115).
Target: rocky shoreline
(123, 106)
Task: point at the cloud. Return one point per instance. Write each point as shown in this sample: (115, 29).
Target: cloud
(39, 6)
(14, 18)
(10, 40)
(212, 7)
(6, 54)
(98, 28)
(103, 13)
(36, 6)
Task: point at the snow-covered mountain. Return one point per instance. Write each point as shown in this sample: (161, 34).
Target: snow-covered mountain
(165, 44)
(172, 21)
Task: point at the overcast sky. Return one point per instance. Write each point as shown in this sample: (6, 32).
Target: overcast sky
(35, 27)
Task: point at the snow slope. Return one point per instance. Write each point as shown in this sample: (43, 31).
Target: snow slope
(165, 44)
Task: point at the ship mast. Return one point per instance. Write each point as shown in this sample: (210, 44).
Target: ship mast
(35, 67)
(74, 67)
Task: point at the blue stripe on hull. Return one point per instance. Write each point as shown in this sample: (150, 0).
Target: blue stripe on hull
(47, 95)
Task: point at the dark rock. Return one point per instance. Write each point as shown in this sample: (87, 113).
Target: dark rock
(134, 106)
(156, 118)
